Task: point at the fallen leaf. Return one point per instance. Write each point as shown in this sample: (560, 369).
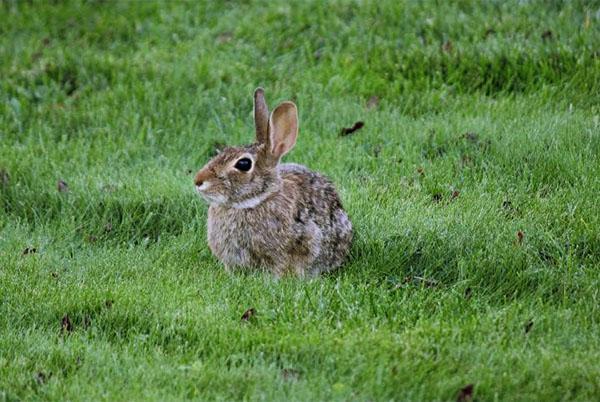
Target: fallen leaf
(488, 32)
(528, 326)
(471, 137)
(29, 250)
(41, 377)
(290, 374)
(465, 394)
(69, 83)
(373, 102)
(447, 46)
(349, 130)
(62, 186)
(224, 37)
(520, 236)
(547, 35)
(4, 177)
(66, 325)
(454, 194)
(248, 314)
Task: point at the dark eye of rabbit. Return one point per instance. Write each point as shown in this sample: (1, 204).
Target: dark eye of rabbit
(243, 164)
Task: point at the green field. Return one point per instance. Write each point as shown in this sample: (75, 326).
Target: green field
(473, 188)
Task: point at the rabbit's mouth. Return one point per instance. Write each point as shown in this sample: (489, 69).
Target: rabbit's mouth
(208, 197)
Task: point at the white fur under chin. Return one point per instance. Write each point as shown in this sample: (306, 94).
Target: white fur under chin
(250, 202)
(214, 199)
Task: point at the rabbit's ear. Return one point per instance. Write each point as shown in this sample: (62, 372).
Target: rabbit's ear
(283, 128)
(261, 117)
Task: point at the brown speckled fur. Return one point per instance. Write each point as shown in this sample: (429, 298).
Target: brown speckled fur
(292, 220)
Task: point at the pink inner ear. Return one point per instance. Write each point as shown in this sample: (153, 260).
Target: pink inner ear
(279, 149)
(283, 129)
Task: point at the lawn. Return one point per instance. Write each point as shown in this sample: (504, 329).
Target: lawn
(473, 188)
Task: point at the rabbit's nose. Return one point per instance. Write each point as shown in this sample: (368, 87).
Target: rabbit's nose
(202, 179)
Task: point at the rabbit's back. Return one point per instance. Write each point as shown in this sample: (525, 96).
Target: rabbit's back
(318, 209)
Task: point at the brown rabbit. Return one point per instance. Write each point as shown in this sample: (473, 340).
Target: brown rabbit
(280, 217)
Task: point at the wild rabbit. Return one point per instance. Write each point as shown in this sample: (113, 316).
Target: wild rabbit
(280, 217)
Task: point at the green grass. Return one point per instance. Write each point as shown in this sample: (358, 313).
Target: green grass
(497, 103)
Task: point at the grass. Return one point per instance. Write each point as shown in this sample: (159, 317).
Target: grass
(473, 188)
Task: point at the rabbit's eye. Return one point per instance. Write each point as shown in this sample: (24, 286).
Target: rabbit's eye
(243, 164)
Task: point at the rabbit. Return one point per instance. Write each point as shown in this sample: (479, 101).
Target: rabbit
(278, 217)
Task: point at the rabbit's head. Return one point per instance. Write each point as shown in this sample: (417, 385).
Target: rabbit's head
(244, 176)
